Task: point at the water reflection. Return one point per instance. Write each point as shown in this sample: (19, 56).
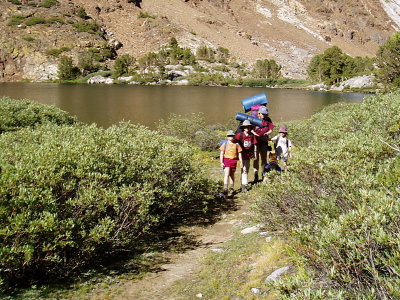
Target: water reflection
(109, 104)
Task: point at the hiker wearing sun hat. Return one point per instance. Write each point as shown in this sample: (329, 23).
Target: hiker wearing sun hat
(230, 153)
(248, 142)
(262, 133)
(283, 146)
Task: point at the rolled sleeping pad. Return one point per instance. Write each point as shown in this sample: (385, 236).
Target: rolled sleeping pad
(254, 121)
(254, 100)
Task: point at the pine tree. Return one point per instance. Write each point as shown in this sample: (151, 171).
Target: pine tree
(388, 62)
(66, 69)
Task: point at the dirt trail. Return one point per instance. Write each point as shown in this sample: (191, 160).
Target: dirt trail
(157, 284)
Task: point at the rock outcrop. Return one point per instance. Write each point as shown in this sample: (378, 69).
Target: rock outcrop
(290, 32)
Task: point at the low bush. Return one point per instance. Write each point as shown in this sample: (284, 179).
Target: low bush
(15, 20)
(16, 2)
(17, 114)
(72, 195)
(253, 82)
(48, 3)
(340, 200)
(145, 15)
(28, 38)
(57, 52)
(34, 21)
(85, 26)
(183, 127)
(55, 20)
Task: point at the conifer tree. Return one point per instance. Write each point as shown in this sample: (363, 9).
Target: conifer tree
(388, 62)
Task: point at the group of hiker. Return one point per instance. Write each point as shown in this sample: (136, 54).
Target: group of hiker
(253, 142)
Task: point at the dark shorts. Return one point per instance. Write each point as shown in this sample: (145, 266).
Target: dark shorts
(230, 163)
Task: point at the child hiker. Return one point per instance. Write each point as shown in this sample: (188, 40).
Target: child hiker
(230, 153)
(248, 143)
(282, 146)
(273, 163)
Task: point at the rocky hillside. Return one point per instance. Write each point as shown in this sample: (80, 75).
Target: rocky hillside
(36, 32)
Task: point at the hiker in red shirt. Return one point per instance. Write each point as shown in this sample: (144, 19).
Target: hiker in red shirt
(248, 143)
(262, 133)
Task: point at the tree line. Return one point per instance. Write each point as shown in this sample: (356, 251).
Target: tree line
(333, 66)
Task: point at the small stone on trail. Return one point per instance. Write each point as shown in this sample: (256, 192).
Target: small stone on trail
(263, 233)
(251, 229)
(276, 274)
(217, 250)
(200, 295)
(255, 291)
(268, 239)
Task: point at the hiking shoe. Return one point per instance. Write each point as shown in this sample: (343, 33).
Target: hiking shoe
(256, 177)
(244, 188)
(225, 192)
(231, 191)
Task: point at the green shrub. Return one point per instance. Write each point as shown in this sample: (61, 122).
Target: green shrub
(184, 127)
(221, 68)
(85, 26)
(340, 198)
(209, 79)
(86, 63)
(122, 64)
(17, 114)
(207, 139)
(81, 13)
(266, 68)
(252, 82)
(57, 52)
(34, 21)
(145, 15)
(55, 20)
(75, 194)
(48, 3)
(28, 38)
(15, 20)
(66, 68)
(17, 2)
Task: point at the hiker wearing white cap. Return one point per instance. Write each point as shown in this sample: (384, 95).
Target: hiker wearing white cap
(248, 142)
(230, 153)
(262, 133)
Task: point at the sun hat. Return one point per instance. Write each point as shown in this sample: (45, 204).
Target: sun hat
(263, 110)
(230, 133)
(283, 129)
(246, 123)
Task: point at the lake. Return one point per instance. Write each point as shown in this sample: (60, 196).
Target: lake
(109, 104)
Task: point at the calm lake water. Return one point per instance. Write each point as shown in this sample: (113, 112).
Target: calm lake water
(109, 104)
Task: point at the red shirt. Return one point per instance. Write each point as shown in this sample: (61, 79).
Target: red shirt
(247, 142)
(261, 131)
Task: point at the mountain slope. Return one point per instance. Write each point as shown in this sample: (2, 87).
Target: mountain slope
(289, 31)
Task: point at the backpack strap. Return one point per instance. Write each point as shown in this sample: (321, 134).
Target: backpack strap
(276, 142)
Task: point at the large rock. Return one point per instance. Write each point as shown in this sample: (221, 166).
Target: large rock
(38, 67)
(355, 82)
(100, 79)
(276, 274)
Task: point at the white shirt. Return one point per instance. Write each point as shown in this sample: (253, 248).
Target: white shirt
(283, 145)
